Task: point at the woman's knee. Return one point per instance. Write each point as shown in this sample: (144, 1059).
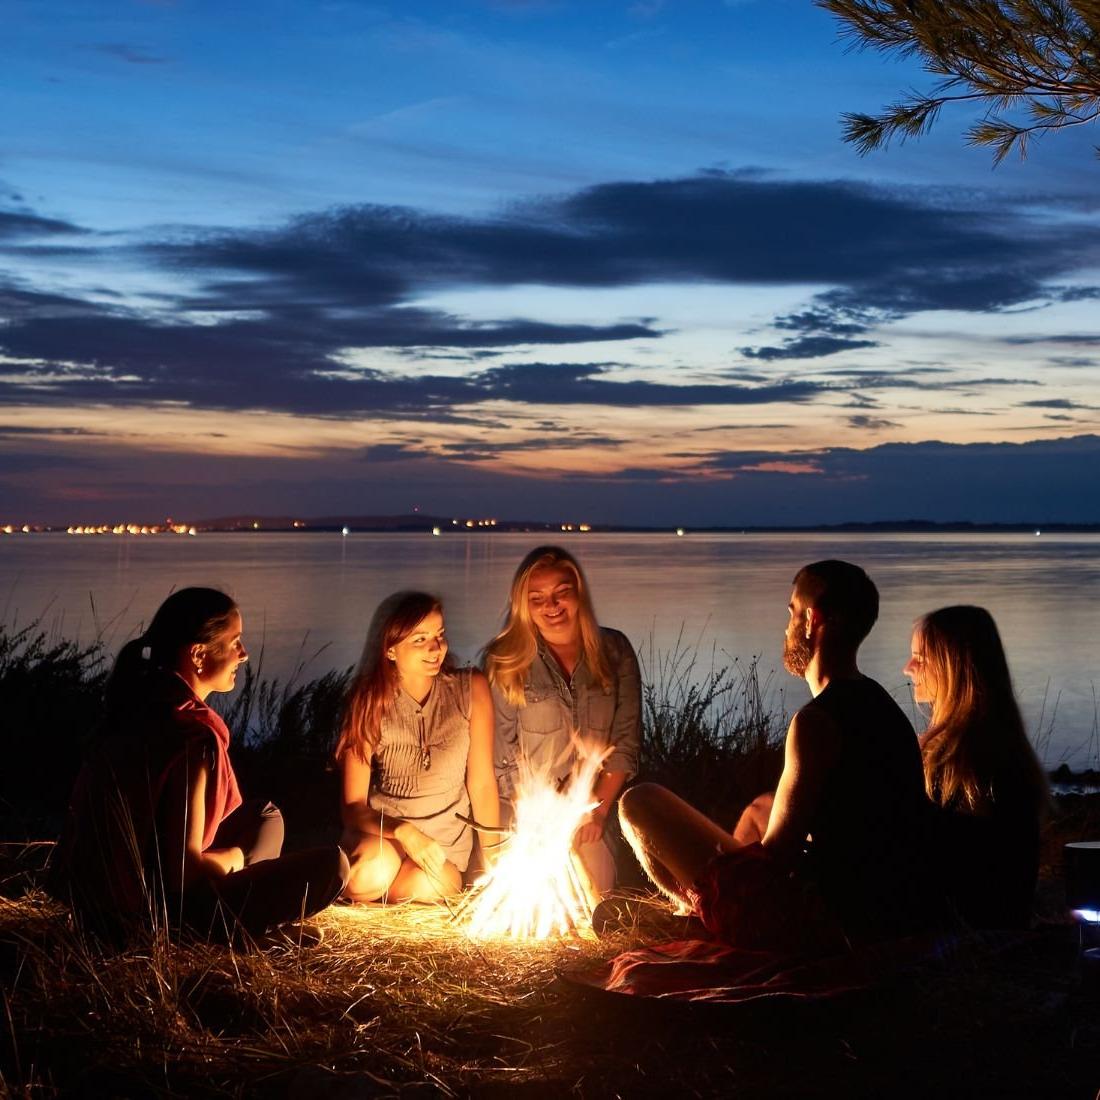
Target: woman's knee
(372, 865)
(270, 834)
(413, 883)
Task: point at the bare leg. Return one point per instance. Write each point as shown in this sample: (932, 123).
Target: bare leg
(753, 822)
(413, 883)
(672, 840)
(375, 863)
(599, 865)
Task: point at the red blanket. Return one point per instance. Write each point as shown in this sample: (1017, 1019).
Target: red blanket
(704, 971)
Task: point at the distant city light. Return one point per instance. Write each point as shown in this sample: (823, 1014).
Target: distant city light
(680, 532)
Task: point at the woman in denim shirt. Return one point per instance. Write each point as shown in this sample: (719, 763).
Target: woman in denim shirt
(557, 675)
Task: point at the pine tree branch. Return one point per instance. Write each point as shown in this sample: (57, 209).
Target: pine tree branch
(1040, 55)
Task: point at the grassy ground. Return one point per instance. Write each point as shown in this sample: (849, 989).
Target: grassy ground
(398, 1001)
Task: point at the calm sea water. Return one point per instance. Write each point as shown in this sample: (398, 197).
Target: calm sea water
(307, 598)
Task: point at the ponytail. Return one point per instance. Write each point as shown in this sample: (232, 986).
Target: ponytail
(191, 616)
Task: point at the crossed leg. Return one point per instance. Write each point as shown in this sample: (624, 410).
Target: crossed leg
(674, 841)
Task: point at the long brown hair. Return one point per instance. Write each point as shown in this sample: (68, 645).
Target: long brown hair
(976, 751)
(509, 656)
(376, 680)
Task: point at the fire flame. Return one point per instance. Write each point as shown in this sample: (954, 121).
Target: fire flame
(538, 887)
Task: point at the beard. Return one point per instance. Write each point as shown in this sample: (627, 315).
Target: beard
(797, 653)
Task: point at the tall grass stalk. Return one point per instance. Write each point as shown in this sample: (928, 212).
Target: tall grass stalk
(712, 732)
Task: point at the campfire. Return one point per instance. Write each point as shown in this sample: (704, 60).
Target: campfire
(538, 886)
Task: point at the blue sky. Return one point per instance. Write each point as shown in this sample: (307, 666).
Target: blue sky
(603, 261)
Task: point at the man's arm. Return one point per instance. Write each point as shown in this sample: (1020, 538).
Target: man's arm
(810, 753)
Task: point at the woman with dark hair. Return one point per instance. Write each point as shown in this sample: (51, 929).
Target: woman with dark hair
(157, 829)
(980, 769)
(559, 679)
(415, 755)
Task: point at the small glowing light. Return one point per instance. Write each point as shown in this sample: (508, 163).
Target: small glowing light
(436, 531)
(255, 525)
(1086, 916)
(345, 531)
(585, 527)
(680, 532)
(1037, 532)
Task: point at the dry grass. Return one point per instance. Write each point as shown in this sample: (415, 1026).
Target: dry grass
(398, 1001)
(397, 996)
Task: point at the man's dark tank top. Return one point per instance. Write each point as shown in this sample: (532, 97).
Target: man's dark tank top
(868, 851)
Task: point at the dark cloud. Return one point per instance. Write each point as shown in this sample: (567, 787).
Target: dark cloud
(833, 322)
(1036, 481)
(20, 462)
(1087, 339)
(915, 379)
(1072, 361)
(1054, 403)
(1078, 293)
(557, 439)
(11, 431)
(586, 384)
(807, 347)
(871, 423)
(1031, 482)
(392, 452)
(295, 300)
(14, 224)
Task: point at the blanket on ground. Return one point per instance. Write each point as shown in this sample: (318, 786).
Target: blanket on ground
(709, 972)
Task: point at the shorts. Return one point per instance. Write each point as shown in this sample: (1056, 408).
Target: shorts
(744, 898)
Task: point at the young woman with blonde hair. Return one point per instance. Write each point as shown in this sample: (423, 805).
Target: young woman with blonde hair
(980, 769)
(557, 678)
(415, 752)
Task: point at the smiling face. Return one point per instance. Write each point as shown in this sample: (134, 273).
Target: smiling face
(919, 672)
(220, 658)
(420, 653)
(553, 603)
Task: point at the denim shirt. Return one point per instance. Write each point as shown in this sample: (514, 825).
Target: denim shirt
(556, 706)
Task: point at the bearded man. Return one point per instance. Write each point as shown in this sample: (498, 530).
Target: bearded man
(837, 855)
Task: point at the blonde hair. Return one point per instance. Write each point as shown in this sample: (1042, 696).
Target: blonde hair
(976, 752)
(509, 656)
(376, 680)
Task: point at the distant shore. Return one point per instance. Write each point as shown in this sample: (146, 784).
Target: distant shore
(451, 525)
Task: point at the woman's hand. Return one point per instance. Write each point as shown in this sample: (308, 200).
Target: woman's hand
(422, 850)
(592, 826)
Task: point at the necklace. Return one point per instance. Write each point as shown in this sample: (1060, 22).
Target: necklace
(425, 748)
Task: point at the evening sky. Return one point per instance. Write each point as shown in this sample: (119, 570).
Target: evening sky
(589, 261)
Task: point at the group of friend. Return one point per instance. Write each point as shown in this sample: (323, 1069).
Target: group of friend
(870, 833)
